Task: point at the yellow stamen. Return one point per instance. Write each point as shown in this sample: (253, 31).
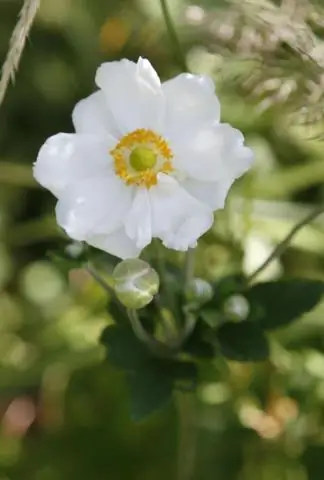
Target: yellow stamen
(140, 156)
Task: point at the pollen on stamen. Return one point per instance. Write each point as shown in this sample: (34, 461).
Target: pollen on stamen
(150, 140)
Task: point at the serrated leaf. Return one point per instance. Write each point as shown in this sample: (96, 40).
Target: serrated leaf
(275, 304)
(150, 390)
(124, 350)
(243, 342)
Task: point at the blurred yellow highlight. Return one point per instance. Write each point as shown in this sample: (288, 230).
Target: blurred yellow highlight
(114, 34)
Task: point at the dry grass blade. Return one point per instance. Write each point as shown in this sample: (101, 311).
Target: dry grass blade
(17, 44)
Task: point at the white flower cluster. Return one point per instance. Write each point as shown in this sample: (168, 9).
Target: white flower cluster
(148, 160)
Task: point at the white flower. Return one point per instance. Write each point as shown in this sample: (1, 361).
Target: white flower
(147, 160)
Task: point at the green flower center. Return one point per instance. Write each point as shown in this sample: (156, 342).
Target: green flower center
(142, 158)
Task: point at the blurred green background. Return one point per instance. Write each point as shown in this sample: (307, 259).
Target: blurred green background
(64, 415)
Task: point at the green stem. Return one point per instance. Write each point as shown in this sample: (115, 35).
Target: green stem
(188, 437)
(165, 286)
(98, 278)
(286, 241)
(173, 36)
(155, 346)
(160, 262)
(95, 275)
(189, 268)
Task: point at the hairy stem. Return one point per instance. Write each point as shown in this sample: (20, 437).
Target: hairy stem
(97, 277)
(17, 44)
(285, 242)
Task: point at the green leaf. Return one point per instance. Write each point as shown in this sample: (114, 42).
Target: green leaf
(150, 379)
(275, 304)
(150, 390)
(124, 350)
(151, 387)
(244, 342)
(197, 344)
(184, 375)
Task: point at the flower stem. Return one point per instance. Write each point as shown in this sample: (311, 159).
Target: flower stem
(285, 242)
(173, 36)
(95, 275)
(155, 346)
(189, 267)
(187, 437)
(139, 330)
(98, 278)
(165, 286)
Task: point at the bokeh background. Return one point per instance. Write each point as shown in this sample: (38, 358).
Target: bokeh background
(63, 413)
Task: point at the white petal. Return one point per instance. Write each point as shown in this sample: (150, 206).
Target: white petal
(212, 194)
(65, 158)
(117, 244)
(189, 231)
(213, 153)
(133, 94)
(92, 115)
(138, 224)
(190, 101)
(177, 218)
(93, 207)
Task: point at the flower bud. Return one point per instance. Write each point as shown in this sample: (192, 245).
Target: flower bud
(74, 249)
(135, 283)
(199, 291)
(236, 308)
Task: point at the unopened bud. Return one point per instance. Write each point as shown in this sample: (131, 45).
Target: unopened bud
(199, 291)
(74, 249)
(135, 283)
(236, 308)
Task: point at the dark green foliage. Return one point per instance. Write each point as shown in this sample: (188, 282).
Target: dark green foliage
(151, 379)
(150, 390)
(199, 344)
(243, 342)
(270, 305)
(124, 350)
(313, 461)
(275, 304)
